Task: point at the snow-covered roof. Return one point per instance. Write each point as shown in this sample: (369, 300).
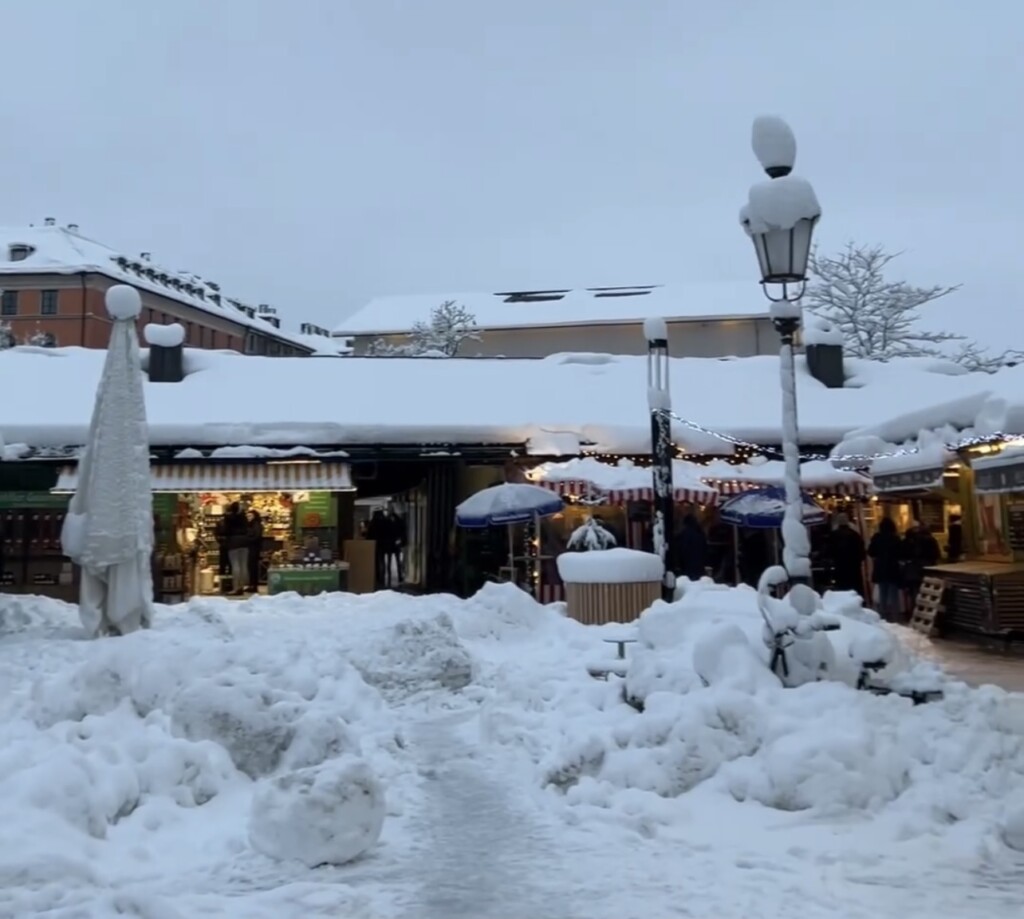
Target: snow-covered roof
(579, 306)
(64, 250)
(555, 404)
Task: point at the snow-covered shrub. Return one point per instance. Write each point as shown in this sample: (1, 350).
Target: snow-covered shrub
(325, 815)
(591, 536)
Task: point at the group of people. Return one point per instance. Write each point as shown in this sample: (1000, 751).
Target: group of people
(387, 529)
(897, 563)
(240, 541)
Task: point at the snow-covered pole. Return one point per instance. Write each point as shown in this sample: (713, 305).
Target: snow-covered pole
(659, 401)
(780, 216)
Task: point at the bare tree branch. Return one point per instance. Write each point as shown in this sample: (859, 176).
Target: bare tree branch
(442, 335)
(877, 317)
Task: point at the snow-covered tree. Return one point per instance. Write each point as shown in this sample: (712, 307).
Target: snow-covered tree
(590, 537)
(441, 335)
(6, 336)
(879, 317)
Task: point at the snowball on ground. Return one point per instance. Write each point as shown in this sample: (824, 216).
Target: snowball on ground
(164, 336)
(609, 566)
(324, 815)
(123, 302)
(655, 329)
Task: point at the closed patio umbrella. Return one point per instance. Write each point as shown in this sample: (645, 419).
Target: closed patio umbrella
(108, 531)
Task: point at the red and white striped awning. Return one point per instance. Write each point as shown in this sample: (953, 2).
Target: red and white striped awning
(850, 488)
(620, 496)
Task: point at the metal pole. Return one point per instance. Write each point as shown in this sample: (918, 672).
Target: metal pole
(796, 548)
(659, 401)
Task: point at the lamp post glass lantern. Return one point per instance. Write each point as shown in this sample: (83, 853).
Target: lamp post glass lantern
(779, 217)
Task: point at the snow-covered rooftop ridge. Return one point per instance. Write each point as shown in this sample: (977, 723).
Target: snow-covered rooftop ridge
(566, 306)
(563, 405)
(52, 249)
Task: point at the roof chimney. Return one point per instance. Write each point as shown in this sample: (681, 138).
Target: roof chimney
(166, 352)
(146, 256)
(73, 227)
(49, 222)
(823, 344)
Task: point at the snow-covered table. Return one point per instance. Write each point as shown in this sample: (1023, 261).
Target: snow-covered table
(609, 585)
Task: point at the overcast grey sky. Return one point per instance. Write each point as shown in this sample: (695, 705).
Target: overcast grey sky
(314, 153)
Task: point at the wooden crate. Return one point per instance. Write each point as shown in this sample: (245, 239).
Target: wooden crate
(927, 605)
(599, 604)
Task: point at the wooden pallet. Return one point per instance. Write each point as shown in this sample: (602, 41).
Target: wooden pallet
(927, 606)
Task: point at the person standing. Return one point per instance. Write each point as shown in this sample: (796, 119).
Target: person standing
(377, 530)
(920, 551)
(236, 537)
(846, 552)
(693, 548)
(396, 545)
(255, 532)
(886, 555)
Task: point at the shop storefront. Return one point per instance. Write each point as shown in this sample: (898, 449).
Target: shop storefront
(294, 534)
(31, 558)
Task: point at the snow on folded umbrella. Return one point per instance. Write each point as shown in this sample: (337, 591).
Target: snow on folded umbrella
(108, 531)
(764, 509)
(508, 504)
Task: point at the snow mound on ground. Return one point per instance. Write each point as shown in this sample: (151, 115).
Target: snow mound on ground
(326, 815)
(500, 611)
(1012, 827)
(18, 613)
(415, 655)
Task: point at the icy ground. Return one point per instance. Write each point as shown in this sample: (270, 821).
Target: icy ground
(138, 774)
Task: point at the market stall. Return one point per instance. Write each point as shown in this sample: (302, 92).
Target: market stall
(292, 509)
(985, 594)
(620, 495)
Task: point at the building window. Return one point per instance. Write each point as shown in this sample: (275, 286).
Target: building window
(275, 349)
(9, 303)
(49, 303)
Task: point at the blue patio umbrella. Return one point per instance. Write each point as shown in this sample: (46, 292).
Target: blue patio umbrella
(509, 503)
(764, 508)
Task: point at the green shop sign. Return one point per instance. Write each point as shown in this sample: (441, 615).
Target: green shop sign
(43, 500)
(320, 510)
(305, 581)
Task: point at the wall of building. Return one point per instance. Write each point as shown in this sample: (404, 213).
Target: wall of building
(80, 316)
(710, 338)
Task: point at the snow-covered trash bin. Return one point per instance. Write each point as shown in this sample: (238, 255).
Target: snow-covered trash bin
(324, 815)
(610, 585)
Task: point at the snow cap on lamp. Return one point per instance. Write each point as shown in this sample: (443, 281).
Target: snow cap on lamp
(655, 329)
(123, 302)
(774, 145)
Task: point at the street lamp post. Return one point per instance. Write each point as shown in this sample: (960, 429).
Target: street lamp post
(659, 401)
(779, 217)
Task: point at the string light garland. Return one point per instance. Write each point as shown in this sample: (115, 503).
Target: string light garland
(999, 437)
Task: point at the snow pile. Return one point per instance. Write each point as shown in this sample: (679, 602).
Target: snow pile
(819, 331)
(609, 566)
(717, 729)
(328, 815)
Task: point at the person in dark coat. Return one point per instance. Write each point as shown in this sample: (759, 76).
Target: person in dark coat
(236, 536)
(886, 554)
(920, 551)
(846, 552)
(377, 530)
(395, 545)
(255, 550)
(955, 549)
(693, 548)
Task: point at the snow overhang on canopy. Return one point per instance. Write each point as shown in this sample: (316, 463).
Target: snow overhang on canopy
(244, 478)
(587, 477)
(1000, 474)
(818, 476)
(921, 469)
